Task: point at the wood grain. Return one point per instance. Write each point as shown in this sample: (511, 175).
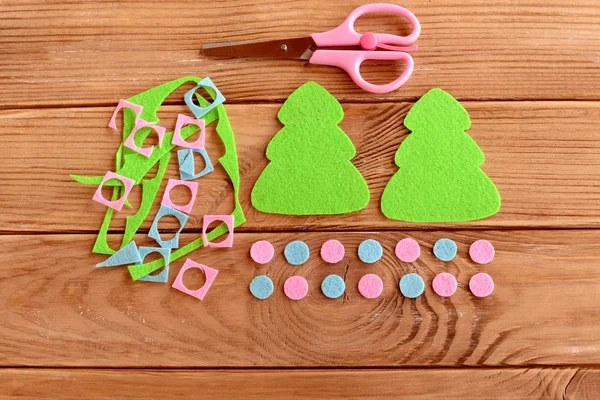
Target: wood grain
(57, 310)
(412, 384)
(83, 53)
(585, 384)
(543, 156)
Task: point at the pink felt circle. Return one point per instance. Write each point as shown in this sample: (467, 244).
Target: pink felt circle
(444, 284)
(482, 252)
(262, 251)
(295, 287)
(370, 286)
(408, 250)
(481, 284)
(332, 251)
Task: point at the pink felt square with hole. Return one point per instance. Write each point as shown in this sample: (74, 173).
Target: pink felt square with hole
(193, 186)
(209, 273)
(228, 220)
(116, 204)
(183, 120)
(139, 124)
(124, 104)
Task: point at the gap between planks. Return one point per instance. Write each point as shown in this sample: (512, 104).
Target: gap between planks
(16, 107)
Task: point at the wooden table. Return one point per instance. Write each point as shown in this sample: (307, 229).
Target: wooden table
(527, 72)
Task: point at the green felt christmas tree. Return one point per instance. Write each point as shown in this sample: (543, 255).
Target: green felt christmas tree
(310, 172)
(439, 179)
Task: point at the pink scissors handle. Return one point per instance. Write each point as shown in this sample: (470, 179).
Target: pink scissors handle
(346, 35)
(350, 60)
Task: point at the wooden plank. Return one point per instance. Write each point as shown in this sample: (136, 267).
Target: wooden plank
(96, 52)
(585, 385)
(57, 310)
(543, 156)
(413, 384)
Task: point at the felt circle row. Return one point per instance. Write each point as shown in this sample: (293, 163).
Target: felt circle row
(370, 251)
(370, 286)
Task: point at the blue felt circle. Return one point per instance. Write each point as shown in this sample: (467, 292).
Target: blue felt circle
(333, 286)
(445, 249)
(370, 251)
(296, 252)
(412, 285)
(261, 287)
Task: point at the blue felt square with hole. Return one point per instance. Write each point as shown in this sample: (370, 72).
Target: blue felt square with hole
(164, 275)
(198, 111)
(155, 234)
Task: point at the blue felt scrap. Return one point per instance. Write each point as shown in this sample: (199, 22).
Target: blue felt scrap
(187, 167)
(154, 234)
(164, 274)
(296, 253)
(125, 256)
(445, 249)
(261, 287)
(186, 161)
(207, 84)
(370, 251)
(412, 285)
(333, 286)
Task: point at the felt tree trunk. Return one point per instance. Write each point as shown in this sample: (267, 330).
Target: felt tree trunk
(310, 172)
(439, 179)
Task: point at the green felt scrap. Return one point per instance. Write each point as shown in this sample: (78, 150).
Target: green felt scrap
(135, 166)
(150, 189)
(229, 162)
(439, 179)
(310, 172)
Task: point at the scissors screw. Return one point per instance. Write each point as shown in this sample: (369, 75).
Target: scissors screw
(368, 41)
(284, 47)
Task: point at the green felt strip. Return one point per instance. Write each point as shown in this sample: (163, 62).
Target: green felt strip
(439, 179)
(135, 166)
(310, 172)
(149, 191)
(229, 161)
(101, 245)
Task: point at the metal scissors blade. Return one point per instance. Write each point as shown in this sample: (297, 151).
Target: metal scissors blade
(298, 48)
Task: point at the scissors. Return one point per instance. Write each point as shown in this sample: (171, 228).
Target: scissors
(371, 46)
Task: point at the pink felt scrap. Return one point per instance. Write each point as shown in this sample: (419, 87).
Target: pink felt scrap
(408, 250)
(262, 251)
(209, 273)
(370, 286)
(332, 251)
(482, 252)
(139, 124)
(481, 284)
(295, 287)
(124, 104)
(116, 204)
(444, 284)
(187, 208)
(228, 220)
(183, 120)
